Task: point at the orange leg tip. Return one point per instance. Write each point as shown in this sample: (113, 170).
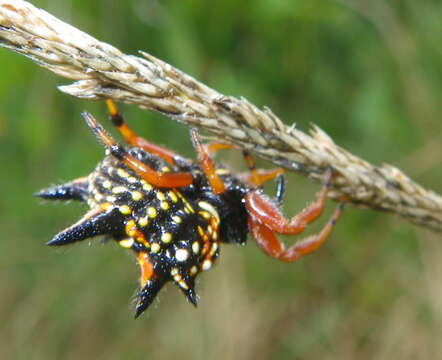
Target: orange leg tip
(111, 107)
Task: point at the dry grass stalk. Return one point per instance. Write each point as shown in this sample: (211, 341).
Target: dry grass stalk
(102, 71)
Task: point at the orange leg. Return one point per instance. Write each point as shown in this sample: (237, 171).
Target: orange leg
(265, 221)
(267, 241)
(213, 147)
(257, 177)
(133, 139)
(156, 178)
(268, 214)
(260, 176)
(206, 162)
(254, 177)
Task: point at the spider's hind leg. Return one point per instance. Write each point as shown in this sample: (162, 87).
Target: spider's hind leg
(265, 221)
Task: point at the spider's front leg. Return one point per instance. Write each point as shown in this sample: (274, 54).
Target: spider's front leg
(206, 162)
(133, 139)
(265, 221)
(156, 178)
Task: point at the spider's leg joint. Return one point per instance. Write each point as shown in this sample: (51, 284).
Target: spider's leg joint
(117, 151)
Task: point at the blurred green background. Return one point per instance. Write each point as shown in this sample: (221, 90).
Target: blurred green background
(368, 72)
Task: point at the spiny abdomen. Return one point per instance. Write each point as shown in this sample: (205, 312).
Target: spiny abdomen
(174, 237)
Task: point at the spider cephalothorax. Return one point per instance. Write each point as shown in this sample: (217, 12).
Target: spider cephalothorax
(174, 213)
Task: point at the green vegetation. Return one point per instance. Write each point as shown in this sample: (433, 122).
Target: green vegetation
(369, 75)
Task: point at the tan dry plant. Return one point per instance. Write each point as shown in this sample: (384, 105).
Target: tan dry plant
(101, 71)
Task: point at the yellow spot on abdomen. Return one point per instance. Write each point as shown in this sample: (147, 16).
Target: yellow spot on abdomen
(105, 205)
(126, 243)
(166, 237)
(136, 195)
(111, 199)
(146, 186)
(151, 212)
(132, 179)
(177, 219)
(131, 228)
(143, 221)
(122, 173)
(208, 207)
(205, 214)
(119, 189)
(200, 231)
(172, 196)
(207, 264)
(213, 249)
(193, 270)
(107, 184)
(155, 247)
(196, 247)
(183, 284)
(161, 196)
(124, 209)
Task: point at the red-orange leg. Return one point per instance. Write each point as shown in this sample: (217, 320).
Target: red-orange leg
(206, 163)
(265, 220)
(268, 214)
(254, 177)
(213, 147)
(133, 139)
(257, 177)
(156, 178)
(268, 242)
(260, 177)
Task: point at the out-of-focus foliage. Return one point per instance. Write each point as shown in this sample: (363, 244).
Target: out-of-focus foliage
(368, 72)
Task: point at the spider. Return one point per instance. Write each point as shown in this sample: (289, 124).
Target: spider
(173, 213)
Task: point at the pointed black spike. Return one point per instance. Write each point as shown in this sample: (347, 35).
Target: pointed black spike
(148, 294)
(192, 297)
(96, 222)
(73, 190)
(187, 286)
